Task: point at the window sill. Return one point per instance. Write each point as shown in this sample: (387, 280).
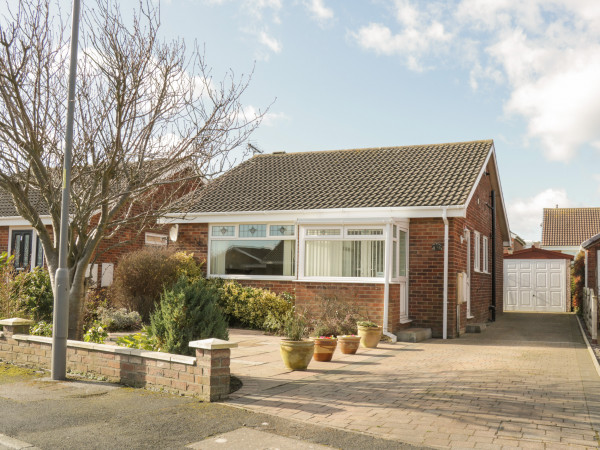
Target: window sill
(254, 277)
(341, 280)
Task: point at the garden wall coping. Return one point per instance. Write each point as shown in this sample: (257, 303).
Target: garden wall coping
(16, 321)
(212, 344)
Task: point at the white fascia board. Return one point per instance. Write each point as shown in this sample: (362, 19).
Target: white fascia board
(491, 156)
(18, 221)
(368, 215)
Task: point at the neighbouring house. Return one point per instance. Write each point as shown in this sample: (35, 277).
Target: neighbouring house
(18, 238)
(592, 268)
(564, 229)
(412, 235)
(537, 280)
(516, 244)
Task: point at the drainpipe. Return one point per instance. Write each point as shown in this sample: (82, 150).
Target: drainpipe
(445, 320)
(386, 287)
(493, 306)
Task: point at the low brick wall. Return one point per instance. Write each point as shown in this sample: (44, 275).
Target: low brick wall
(205, 376)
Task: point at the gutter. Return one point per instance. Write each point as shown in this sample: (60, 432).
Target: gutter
(445, 319)
(386, 286)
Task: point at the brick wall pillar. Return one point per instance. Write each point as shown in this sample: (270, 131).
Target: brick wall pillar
(15, 326)
(213, 357)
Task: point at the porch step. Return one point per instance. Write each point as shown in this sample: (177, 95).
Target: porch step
(414, 334)
(476, 327)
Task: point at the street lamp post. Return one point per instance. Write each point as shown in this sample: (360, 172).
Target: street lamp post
(61, 299)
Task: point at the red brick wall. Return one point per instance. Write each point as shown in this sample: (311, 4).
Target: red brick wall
(592, 266)
(427, 267)
(3, 239)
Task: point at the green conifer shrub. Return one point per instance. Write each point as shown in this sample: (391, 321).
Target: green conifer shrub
(187, 312)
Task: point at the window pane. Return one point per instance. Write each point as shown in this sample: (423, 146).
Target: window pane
(323, 232)
(402, 252)
(344, 259)
(282, 230)
(395, 231)
(365, 232)
(223, 231)
(39, 254)
(264, 257)
(253, 230)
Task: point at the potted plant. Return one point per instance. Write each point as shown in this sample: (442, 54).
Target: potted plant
(324, 347)
(369, 332)
(349, 343)
(296, 351)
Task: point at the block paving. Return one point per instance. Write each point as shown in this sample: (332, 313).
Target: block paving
(528, 381)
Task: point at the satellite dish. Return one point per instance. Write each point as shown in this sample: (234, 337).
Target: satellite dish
(173, 232)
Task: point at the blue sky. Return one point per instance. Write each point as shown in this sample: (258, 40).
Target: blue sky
(349, 74)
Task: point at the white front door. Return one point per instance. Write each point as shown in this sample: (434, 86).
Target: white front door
(535, 285)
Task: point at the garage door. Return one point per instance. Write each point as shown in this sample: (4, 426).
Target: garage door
(535, 285)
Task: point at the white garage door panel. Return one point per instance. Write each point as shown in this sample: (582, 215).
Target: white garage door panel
(535, 285)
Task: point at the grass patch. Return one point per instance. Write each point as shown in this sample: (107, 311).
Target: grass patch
(10, 373)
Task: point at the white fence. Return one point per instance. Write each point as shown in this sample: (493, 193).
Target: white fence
(590, 312)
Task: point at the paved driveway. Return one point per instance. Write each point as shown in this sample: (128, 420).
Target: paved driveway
(528, 381)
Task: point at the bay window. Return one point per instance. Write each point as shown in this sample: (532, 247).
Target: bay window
(253, 250)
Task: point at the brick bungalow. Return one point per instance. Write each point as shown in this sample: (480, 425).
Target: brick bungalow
(564, 229)
(18, 238)
(412, 235)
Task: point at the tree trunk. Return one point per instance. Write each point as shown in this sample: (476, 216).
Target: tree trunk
(76, 307)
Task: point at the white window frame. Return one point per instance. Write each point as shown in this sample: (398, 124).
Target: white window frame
(485, 255)
(268, 237)
(477, 252)
(343, 236)
(35, 238)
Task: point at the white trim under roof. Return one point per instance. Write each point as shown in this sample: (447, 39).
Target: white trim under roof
(18, 221)
(364, 215)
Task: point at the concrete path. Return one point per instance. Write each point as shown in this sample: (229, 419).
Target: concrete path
(526, 382)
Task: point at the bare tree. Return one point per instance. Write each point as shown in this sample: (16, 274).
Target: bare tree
(151, 125)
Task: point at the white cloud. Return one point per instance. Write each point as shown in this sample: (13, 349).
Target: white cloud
(546, 52)
(270, 42)
(420, 35)
(269, 119)
(318, 10)
(525, 214)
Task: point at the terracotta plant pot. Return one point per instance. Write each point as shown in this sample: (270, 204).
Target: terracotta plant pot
(324, 348)
(369, 336)
(349, 344)
(296, 355)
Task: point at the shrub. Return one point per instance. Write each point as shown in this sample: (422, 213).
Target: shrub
(255, 308)
(294, 326)
(42, 328)
(7, 275)
(95, 299)
(336, 318)
(119, 319)
(96, 333)
(142, 341)
(141, 277)
(32, 296)
(187, 312)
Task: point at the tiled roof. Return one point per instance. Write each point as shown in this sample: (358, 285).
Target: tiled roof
(423, 175)
(7, 207)
(569, 226)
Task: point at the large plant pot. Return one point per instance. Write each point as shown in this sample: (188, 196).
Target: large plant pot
(296, 355)
(324, 349)
(349, 344)
(369, 336)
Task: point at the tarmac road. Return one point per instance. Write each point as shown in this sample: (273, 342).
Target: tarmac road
(86, 414)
